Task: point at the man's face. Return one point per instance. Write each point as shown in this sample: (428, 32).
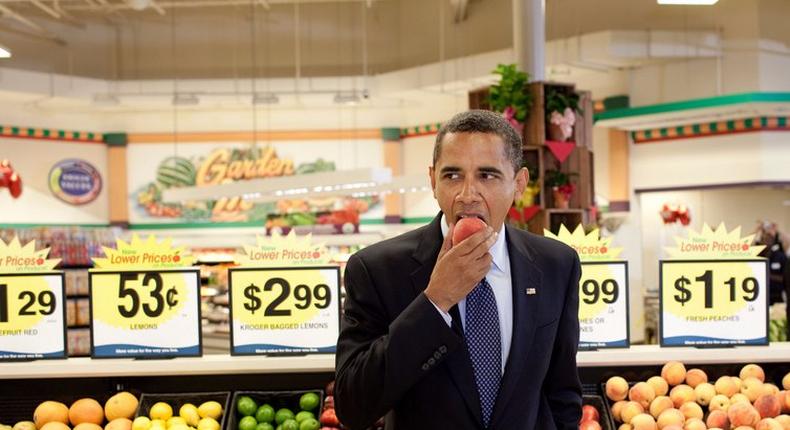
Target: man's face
(474, 178)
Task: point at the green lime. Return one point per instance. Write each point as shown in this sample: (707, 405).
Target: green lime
(309, 424)
(264, 426)
(265, 414)
(282, 415)
(301, 416)
(290, 424)
(246, 406)
(309, 401)
(247, 423)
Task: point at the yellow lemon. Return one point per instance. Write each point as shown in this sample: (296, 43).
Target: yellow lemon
(141, 423)
(178, 426)
(208, 424)
(160, 411)
(175, 420)
(189, 413)
(210, 409)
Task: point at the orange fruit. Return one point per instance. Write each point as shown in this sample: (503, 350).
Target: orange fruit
(87, 426)
(119, 424)
(54, 425)
(50, 411)
(86, 411)
(121, 405)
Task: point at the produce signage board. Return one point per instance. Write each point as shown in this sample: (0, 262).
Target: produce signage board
(603, 289)
(713, 292)
(144, 303)
(32, 310)
(286, 300)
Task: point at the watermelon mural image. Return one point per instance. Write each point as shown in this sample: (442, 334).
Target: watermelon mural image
(226, 165)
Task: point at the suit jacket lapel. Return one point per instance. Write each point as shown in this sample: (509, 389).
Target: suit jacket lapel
(458, 364)
(526, 279)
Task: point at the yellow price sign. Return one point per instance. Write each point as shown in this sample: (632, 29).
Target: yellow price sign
(32, 316)
(141, 313)
(284, 310)
(713, 302)
(603, 305)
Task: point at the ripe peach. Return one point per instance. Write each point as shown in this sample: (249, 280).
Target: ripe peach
(738, 382)
(695, 377)
(670, 417)
(643, 422)
(784, 400)
(691, 410)
(768, 424)
(642, 393)
(466, 227)
(625, 427)
(718, 419)
(784, 420)
(630, 410)
(674, 373)
(752, 370)
(660, 404)
(672, 427)
(767, 406)
(741, 414)
(752, 388)
(719, 402)
(659, 385)
(738, 397)
(617, 407)
(770, 389)
(681, 394)
(694, 424)
(616, 388)
(786, 381)
(726, 386)
(704, 392)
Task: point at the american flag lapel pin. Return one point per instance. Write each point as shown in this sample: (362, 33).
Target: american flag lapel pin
(531, 291)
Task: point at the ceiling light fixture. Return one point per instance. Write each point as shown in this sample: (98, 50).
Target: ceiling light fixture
(185, 99)
(688, 2)
(322, 184)
(5, 52)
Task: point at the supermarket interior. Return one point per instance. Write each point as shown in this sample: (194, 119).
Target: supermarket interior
(217, 164)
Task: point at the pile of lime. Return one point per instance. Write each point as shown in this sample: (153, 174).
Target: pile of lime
(265, 417)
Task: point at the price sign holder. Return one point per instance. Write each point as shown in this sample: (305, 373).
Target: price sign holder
(25, 342)
(604, 306)
(119, 338)
(261, 337)
(718, 313)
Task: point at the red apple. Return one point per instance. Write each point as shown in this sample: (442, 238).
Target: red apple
(466, 227)
(589, 413)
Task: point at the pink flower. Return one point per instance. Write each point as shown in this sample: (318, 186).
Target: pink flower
(565, 121)
(510, 115)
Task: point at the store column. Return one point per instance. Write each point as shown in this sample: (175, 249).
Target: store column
(116, 162)
(529, 37)
(393, 158)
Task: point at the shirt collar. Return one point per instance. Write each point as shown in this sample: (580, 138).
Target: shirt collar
(498, 249)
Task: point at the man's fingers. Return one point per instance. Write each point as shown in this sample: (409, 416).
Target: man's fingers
(447, 243)
(469, 244)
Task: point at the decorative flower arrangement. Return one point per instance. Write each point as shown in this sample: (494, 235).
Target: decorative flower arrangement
(561, 186)
(675, 213)
(509, 96)
(561, 111)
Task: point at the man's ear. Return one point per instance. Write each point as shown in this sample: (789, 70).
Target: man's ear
(522, 179)
(433, 180)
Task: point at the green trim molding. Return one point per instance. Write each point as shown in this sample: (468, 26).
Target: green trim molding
(745, 125)
(50, 134)
(116, 139)
(709, 102)
(390, 133)
(420, 130)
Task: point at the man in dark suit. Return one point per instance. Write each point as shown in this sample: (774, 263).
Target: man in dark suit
(480, 334)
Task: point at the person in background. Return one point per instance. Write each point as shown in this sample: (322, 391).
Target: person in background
(480, 334)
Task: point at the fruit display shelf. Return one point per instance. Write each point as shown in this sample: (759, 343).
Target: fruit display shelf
(223, 364)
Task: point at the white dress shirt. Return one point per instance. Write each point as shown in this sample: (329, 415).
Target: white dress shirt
(502, 285)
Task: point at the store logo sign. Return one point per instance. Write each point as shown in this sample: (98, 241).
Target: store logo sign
(75, 182)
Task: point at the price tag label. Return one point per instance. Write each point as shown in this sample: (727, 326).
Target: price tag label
(284, 310)
(32, 316)
(145, 313)
(713, 302)
(603, 305)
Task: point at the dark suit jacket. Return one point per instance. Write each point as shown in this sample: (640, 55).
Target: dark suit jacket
(397, 356)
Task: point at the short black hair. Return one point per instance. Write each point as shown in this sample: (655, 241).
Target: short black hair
(482, 121)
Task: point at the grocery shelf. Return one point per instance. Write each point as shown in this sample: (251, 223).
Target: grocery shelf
(223, 364)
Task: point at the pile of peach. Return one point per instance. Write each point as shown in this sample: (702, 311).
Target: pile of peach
(745, 402)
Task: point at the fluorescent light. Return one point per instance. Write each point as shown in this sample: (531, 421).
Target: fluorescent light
(340, 182)
(5, 52)
(265, 99)
(185, 100)
(105, 100)
(689, 2)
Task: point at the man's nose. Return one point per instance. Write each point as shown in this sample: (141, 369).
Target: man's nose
(469, 192)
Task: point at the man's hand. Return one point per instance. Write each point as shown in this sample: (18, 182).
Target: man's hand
(460, 268)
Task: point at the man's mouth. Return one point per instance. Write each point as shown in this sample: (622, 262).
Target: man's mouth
(459, 216)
